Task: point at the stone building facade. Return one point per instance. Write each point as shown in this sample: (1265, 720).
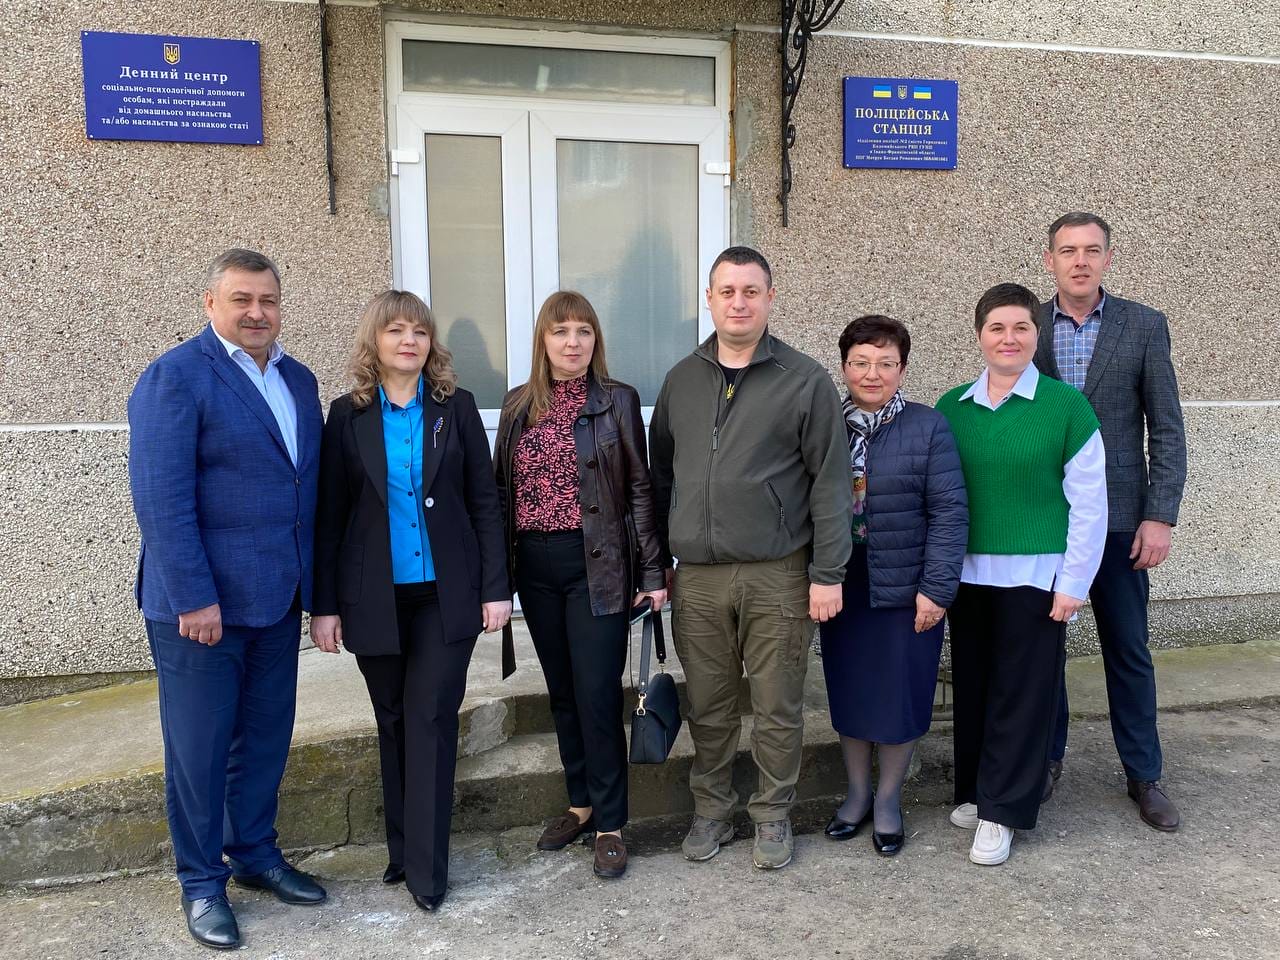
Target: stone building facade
(1161, 117)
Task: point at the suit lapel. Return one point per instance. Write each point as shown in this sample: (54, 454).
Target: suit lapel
(370, 444)
(239, 382)
(1110, 330)
(1047, 362)
(434, 441)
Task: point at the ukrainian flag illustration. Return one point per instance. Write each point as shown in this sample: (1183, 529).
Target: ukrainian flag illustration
(882, 91)
(921, 93)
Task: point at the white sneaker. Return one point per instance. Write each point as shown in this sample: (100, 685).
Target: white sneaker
(991, 844)
(965, 816)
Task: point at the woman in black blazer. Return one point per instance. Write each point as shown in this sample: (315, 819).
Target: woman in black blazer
(410, 566)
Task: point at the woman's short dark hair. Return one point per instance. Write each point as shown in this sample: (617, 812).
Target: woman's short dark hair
(1006, 295)
(879, 331)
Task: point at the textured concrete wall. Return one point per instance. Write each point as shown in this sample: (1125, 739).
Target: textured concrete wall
(110, 239)
(1220, 26)
(1173, 152)
(105, 249)
(107, 242)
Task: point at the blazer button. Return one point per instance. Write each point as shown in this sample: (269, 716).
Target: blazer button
(595, 554)
(593, 509)
(582, 421)
(591, 464)
(430, 502)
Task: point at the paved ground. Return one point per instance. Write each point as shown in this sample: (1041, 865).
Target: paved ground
(1090, 882)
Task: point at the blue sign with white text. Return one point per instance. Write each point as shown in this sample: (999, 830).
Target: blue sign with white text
(901, 124)
(185, 89)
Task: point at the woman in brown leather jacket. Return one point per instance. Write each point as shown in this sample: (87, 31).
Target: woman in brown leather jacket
(571, 464)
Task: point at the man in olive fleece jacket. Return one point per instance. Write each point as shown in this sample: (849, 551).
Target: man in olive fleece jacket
(751, 477)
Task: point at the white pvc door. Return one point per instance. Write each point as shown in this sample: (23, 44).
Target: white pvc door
(500, 201)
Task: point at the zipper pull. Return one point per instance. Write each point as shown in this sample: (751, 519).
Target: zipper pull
(715, 437)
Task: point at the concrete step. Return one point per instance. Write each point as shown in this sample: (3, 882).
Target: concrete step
(81, 776)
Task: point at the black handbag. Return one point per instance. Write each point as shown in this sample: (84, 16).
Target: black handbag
(656, 719)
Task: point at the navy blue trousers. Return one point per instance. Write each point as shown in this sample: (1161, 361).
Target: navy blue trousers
(226, 713)
(1119, 598)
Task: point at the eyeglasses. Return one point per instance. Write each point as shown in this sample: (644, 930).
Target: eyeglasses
(862, 367)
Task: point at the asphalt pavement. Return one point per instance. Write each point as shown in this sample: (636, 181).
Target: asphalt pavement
(1091, 881)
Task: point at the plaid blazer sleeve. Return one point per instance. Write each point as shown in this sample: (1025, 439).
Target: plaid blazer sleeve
(1166, 433)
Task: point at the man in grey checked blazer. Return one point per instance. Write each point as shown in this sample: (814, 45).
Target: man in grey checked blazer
(1116, 352)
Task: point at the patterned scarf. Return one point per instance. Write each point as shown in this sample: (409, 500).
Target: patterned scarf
(862, 425)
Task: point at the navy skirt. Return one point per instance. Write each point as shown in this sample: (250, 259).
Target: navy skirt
(880, 674)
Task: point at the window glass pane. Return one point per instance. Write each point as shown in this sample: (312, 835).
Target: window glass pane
(496, 70)
(628, 226)
(464, 230)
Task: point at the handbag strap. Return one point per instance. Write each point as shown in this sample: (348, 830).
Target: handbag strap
(651, 635)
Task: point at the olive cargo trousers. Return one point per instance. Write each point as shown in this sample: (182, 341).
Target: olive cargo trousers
(728, 617)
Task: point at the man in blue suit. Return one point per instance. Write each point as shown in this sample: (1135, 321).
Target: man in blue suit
(223, 463)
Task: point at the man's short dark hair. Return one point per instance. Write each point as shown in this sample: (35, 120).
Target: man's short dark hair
(878, 331)
(740, 256)
(1079, 218)
(1006, 295)
(237, 258)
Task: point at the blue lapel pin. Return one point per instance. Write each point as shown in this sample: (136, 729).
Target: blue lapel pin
(435, 431)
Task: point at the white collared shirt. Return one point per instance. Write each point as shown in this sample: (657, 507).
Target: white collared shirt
(272, 387)
(1084, 484)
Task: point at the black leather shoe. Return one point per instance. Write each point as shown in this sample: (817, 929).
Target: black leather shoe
(393, 874)
(888, 844)
(838, 829)
(1055, 769)
(211, 922)
(430, 904)
(289, 885)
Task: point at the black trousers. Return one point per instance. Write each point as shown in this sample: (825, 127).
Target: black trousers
(416, 696)
(1119, 599)
(582, 657)
(1007, 658)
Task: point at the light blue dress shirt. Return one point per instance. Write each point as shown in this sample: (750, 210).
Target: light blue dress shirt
(274, 390)
(402, 436)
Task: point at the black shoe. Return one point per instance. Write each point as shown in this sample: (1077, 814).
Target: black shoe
(1047, 792)
(1155, 808)
(838, 829)
(889, 844)
(430, 904)
(393, 874)
(289, 885)
(1055, 769)
(211, 922)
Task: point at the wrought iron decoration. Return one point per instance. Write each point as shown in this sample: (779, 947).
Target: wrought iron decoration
(801, 19)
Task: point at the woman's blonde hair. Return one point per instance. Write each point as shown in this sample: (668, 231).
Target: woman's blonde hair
(365, 371)
(534, 398)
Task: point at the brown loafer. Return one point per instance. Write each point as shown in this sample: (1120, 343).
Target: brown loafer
(611, 856)
(563, 830)
(1154, 807)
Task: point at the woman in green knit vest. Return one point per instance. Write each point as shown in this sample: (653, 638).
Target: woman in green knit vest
(1035, 472)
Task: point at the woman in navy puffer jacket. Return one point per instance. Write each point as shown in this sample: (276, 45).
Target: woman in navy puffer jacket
(910, 529)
